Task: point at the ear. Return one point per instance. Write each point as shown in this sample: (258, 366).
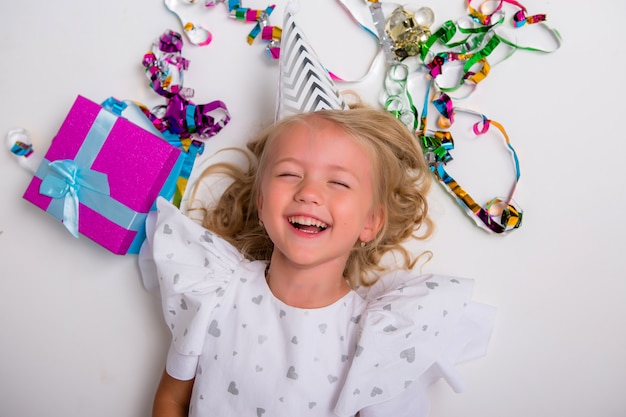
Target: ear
(373, 223)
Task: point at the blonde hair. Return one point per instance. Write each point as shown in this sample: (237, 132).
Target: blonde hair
(401, 180)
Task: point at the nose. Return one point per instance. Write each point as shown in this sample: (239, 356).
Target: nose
(309, 192)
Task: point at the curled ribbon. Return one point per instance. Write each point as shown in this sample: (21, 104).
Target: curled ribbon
(182, 122)
(499, 215)
(398, 100)
(22, 149)
(466, 44)
(67, 184)
(20, 146)
(165, 67)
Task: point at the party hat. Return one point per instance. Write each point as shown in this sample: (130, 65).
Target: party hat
(304, 84)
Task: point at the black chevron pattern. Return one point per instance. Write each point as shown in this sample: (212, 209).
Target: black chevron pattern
(304, 85)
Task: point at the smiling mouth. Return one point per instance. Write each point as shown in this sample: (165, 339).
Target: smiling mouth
(307, 224)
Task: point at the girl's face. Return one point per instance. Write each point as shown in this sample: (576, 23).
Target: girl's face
(316, 195)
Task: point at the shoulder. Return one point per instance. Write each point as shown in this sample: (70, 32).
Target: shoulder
(413, 324)
(188, 257)
(194, 269)
(404, 309)
(175, 237)
(408, 285)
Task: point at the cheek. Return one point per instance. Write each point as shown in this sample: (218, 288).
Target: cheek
(267, 198)
(350, 212)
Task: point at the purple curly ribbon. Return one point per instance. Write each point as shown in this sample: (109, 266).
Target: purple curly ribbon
(180, 116)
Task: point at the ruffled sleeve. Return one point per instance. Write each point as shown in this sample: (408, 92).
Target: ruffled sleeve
(193, 268)
(413, 331)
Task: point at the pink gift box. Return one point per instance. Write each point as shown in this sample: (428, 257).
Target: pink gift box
(138, 164)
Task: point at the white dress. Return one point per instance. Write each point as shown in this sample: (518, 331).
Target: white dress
(252, 355)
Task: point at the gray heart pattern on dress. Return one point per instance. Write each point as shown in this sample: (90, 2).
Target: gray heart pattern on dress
(206, 237)
(358, 351)
(376, 391)
(432, 285)
(408, 354)
(291, 373)
(232, 388)
(214, 329)
(167, 229)
(257, 300)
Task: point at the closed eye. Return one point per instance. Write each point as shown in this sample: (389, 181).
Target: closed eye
(288, 174)
(340, 183)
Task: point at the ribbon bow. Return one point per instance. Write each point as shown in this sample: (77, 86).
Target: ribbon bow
(66, 182)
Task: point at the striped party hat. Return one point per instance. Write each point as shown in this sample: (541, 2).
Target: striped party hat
(304, 83)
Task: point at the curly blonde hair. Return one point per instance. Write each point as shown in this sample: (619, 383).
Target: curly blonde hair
(401, 181)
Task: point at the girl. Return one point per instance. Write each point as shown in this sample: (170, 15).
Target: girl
(289, 301)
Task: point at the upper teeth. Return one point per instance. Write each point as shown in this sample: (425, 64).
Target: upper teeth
(307, 221)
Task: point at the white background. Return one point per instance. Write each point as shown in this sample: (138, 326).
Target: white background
(81, 337)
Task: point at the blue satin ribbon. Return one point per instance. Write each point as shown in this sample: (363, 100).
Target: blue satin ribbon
(71, 183)
(67, 180)
(57, 175)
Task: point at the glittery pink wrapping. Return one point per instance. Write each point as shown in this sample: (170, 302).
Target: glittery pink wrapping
(137, 164)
